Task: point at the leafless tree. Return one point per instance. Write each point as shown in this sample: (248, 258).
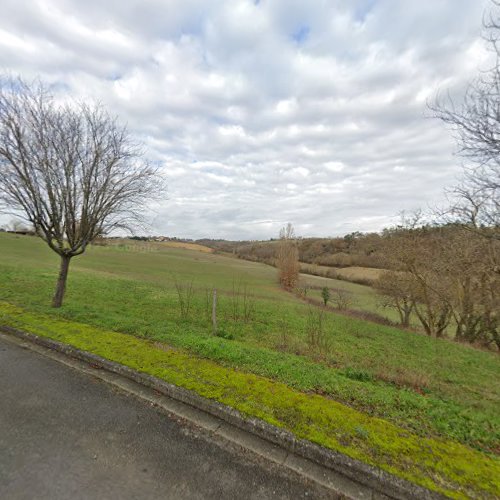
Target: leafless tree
(288, 258)
(416, 281)
(476, 125)
(342, 299)
(69, 169)
(395, 290)
(442, 274)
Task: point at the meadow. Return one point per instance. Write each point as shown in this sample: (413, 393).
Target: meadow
(355, 274)
(351, 297)
(433, 388)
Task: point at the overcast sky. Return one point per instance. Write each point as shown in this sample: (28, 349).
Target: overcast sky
(265, 112)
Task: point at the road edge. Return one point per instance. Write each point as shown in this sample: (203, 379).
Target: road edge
(381, 483)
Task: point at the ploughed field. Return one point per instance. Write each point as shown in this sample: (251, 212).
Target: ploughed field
(429, 388)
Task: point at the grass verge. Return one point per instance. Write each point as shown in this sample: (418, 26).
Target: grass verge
(441, 465)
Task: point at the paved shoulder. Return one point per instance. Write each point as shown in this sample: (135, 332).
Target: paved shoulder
(65, 434)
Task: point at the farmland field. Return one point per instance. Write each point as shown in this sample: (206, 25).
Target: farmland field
(354, 283)
(433, 388)
(153, 246)
(352, 273)
(361, 298)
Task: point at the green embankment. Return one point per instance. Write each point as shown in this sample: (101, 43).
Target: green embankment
(440, 465)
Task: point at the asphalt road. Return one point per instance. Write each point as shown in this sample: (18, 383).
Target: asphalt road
(67, 435)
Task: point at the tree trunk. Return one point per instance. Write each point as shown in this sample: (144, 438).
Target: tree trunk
(406, 318)
(61, 281)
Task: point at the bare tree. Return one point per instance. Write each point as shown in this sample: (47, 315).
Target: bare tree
(395, 289)
(443, 275)
(475, 123)
(342, 299)
(414, 253)
(288, 258)
(69, 169)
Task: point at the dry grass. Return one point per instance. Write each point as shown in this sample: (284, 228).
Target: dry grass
(150, 246)
(187, 246)
(359, 273)
(402, 377)
(355, 274)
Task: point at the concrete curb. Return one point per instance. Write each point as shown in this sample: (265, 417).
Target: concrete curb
(382, 483)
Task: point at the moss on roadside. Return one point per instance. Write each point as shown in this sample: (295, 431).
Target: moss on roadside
(441, 465)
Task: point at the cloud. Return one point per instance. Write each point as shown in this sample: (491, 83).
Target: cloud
(265, 112)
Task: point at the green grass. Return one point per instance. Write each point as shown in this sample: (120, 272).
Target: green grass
(363, 297)
(433, 388)
(440, 465)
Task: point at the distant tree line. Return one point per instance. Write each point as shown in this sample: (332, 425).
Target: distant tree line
(355, 249)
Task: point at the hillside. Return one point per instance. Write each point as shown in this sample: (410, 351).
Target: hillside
(431, 387)
(355, 249)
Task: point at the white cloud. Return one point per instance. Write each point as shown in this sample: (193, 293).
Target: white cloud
(268, 112)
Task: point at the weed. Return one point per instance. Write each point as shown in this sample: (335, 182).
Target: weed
(357, 374)
(248, 305)
(402, 377)
(242, 304)
(342, 299)
(361, 432)
(184, 296)
(317, 338)
(284, 333)
(224, 334)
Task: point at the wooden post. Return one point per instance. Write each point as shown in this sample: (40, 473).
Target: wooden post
(214, 312)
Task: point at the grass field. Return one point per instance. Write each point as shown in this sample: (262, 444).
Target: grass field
(151, 246)
(356, 274)
(361, 298)
(433, 388)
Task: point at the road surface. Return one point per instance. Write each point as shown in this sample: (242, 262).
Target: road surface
(67, 435)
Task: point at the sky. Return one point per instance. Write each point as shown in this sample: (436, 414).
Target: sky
(265, 112)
